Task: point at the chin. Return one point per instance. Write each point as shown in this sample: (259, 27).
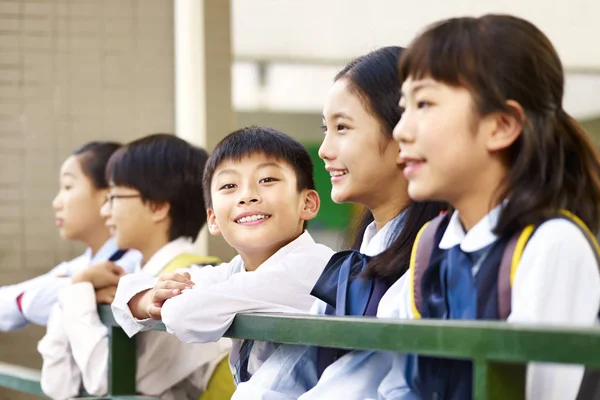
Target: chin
(339, 197)
(420, 193)
(65, 234)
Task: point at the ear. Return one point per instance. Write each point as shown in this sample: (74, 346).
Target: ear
(160, 211)
(211, 220)
(311, 205)
(507, 127)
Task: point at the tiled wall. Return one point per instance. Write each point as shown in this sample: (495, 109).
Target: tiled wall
(70, 71)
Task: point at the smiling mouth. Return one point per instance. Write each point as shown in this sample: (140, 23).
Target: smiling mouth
(337, 173)
(252, 218)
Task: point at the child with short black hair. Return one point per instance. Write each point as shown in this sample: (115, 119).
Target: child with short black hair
(154, 205)
(260, 192)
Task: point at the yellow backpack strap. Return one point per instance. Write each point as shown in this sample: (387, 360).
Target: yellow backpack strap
(508, 268)
(419, 260)
(512, 257)
(187, 259)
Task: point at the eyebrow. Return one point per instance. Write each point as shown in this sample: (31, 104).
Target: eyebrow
(416, 87)
(260, 166)
(68, 174)
(339, 115)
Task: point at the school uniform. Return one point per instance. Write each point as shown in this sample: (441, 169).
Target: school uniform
(75, 348)
(282, 284)
(39, 294)
(294, 372)
(557, 282)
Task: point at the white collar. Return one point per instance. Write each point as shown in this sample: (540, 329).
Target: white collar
(375, 242)
(165, 254)
(106, 251)
(480, 236)
(305, 239)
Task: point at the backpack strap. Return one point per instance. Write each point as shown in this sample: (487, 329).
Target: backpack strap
(187, 259)
(512, 257)
(508, 268)
(420, 258)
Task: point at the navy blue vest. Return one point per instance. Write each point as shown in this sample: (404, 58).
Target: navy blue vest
(440, 378)
(346, 292)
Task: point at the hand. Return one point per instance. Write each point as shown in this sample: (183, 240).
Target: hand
(100, 275)
(148, 304)
(106, 295)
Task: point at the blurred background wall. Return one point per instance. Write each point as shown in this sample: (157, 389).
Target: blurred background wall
(72, 71)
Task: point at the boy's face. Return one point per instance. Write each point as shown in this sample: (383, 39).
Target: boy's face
(130, 220)
(256, 205)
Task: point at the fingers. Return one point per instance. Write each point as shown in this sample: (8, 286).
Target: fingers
(182, 278)
(114, 268)
(159, 296)
(106, 295)
(173, 285)
(154, 312)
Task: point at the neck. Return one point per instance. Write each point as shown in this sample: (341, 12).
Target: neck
(473, 207)
(255, 258)
(96, 239)
(384, 213)
(152, 244)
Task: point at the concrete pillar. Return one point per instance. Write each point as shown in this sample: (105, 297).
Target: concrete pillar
(203, 109)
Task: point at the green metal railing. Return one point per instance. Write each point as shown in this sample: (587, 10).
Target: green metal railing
(499, 350)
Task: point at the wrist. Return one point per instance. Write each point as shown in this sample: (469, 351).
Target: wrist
(138, 305)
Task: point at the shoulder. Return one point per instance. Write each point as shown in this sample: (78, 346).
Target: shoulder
(313, 251)
(560, 234)
(557, 250)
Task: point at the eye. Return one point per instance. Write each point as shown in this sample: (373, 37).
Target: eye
(268, 180)
(68, 187)
(227, 186)
(423, 104)
(341, 127)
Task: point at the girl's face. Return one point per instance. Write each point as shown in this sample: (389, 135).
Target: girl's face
(363, 162)
(444, 145)
(78, 202)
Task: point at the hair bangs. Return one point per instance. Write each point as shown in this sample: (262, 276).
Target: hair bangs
(446, 52)
(118, 169)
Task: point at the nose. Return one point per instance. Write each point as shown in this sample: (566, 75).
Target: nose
(249, 195)
(105, 210)
(326, 149)
(56, 203)
(403, 131)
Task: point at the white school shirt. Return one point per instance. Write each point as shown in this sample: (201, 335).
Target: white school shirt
(41, 293)
(557, 283)
(75, 348)
(282, 284)
(352, 376)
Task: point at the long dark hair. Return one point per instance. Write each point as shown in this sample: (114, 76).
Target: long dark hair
(374, 78)
(553, 164)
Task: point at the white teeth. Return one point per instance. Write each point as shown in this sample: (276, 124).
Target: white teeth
(338, 173)
(251, 218)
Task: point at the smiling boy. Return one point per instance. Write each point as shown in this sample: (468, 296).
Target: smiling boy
(259, 189)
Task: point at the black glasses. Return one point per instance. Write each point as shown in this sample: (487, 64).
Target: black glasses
(111, 197)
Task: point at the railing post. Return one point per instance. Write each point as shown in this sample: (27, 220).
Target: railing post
(122, 361)
(498, 381)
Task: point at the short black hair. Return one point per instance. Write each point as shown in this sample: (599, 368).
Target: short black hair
(165, 169)
(93, 158)
(260, 140)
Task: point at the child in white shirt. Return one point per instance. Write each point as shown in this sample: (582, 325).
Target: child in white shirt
(259, 188)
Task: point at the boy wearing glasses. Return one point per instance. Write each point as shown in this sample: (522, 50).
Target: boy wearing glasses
(155, 205)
